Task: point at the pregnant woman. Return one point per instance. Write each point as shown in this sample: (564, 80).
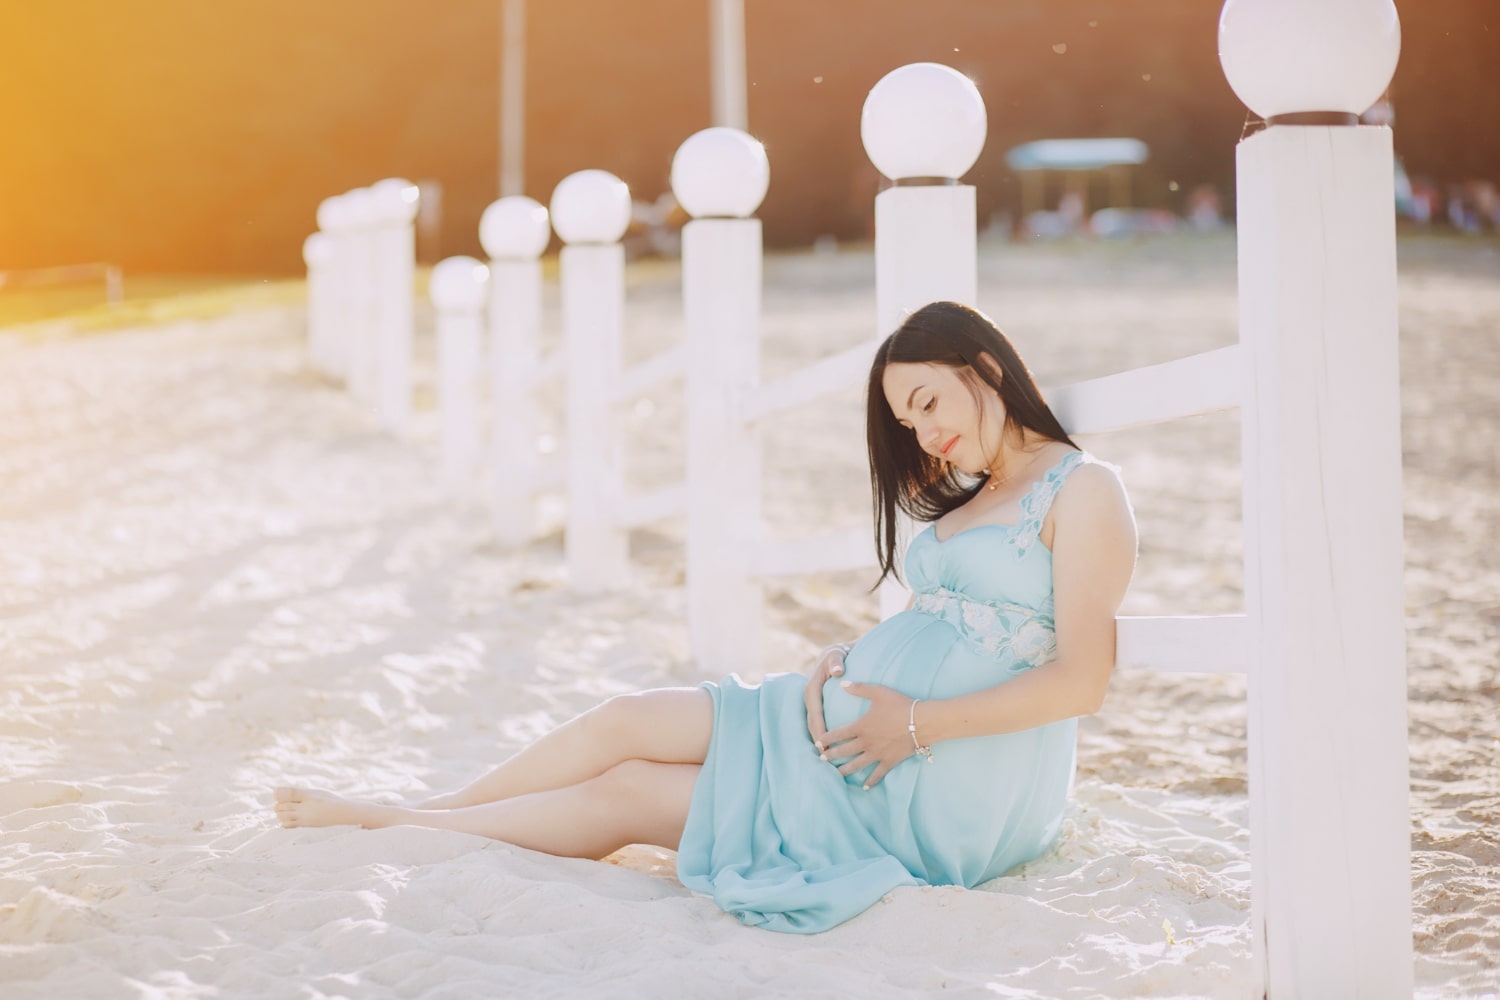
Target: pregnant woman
(937, 749)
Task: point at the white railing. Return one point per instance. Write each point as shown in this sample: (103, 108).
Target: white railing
(457, 288)
(1314, 378)
(361, 267)
(514, 232)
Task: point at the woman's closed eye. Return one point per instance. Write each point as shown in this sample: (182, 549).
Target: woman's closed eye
(927, 407)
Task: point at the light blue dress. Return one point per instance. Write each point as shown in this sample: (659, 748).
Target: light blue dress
(783, 841)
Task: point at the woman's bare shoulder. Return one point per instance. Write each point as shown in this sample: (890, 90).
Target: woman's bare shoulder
(1094, 491)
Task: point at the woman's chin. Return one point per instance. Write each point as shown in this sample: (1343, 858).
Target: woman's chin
(967, 468)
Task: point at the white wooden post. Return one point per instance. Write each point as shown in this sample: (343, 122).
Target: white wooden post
(590, 212)
(457, 288)
(923, 126)
(719, 176)
(1330, 822)
(333, 220)
(514, 232)
(395, 247)
(317, 253)
(364, 319)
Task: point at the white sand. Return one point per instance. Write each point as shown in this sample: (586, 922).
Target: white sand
(217, 576)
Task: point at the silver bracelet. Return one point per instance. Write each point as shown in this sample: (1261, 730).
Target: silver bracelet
(911, 727)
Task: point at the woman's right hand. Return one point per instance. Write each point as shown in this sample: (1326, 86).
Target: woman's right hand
(830, 664)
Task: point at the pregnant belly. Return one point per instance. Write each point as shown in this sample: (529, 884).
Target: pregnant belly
(919, 655)
(903, 652)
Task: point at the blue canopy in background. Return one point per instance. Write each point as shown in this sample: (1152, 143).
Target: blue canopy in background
(1076, 154)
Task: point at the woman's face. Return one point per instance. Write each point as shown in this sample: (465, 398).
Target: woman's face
(939, 406)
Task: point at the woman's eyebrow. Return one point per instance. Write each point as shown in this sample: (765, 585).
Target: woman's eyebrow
(914, 394)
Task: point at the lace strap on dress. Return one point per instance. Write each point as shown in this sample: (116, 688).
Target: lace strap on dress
(1038, 500)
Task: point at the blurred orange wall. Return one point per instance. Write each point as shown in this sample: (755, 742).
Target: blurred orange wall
(183, 135)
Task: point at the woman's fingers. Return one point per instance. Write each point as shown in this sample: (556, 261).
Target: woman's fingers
(840, 752)
(881, 771)
(812, 698)
(840, 735)
(856, 765)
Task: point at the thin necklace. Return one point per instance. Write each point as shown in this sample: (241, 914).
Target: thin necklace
(995, 483)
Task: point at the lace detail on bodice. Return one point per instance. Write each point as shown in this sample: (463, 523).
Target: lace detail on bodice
(1025, 634)
(1038, 500)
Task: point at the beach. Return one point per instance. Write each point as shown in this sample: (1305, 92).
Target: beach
(219, 575)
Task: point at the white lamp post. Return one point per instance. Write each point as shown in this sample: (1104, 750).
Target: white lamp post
(362, 210)
(457, 288)
(720, 176)
(923, 126)
(1330, 827)
(395, 250)
(590, 212)
(333, 220)
(514, 232)
(1308, 56)
(317, 254)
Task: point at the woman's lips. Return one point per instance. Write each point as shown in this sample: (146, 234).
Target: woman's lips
(950, 444)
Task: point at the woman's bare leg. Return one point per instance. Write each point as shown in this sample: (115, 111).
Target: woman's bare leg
(634, 802)
(667, 725)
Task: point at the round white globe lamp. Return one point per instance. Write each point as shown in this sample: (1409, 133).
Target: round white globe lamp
(591, 206)
(317, 250)
(923, 120)
(1292, 57)
(457, 284)
(720, 173)
(332, 213)
(397, 199)
(514, 228)
(361, 208)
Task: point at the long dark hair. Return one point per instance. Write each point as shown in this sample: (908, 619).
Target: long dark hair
(901, 473)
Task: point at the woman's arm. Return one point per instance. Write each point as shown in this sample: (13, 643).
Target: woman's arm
(1093, 555)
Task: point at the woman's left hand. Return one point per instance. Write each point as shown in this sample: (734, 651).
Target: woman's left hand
(878, 737)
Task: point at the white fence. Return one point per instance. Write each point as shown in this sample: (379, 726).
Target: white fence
(1314, 377)
(360, 269)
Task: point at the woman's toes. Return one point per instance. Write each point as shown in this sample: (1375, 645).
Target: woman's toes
(288, 807)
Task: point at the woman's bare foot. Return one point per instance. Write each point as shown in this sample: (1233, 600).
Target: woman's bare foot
(305, 807)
